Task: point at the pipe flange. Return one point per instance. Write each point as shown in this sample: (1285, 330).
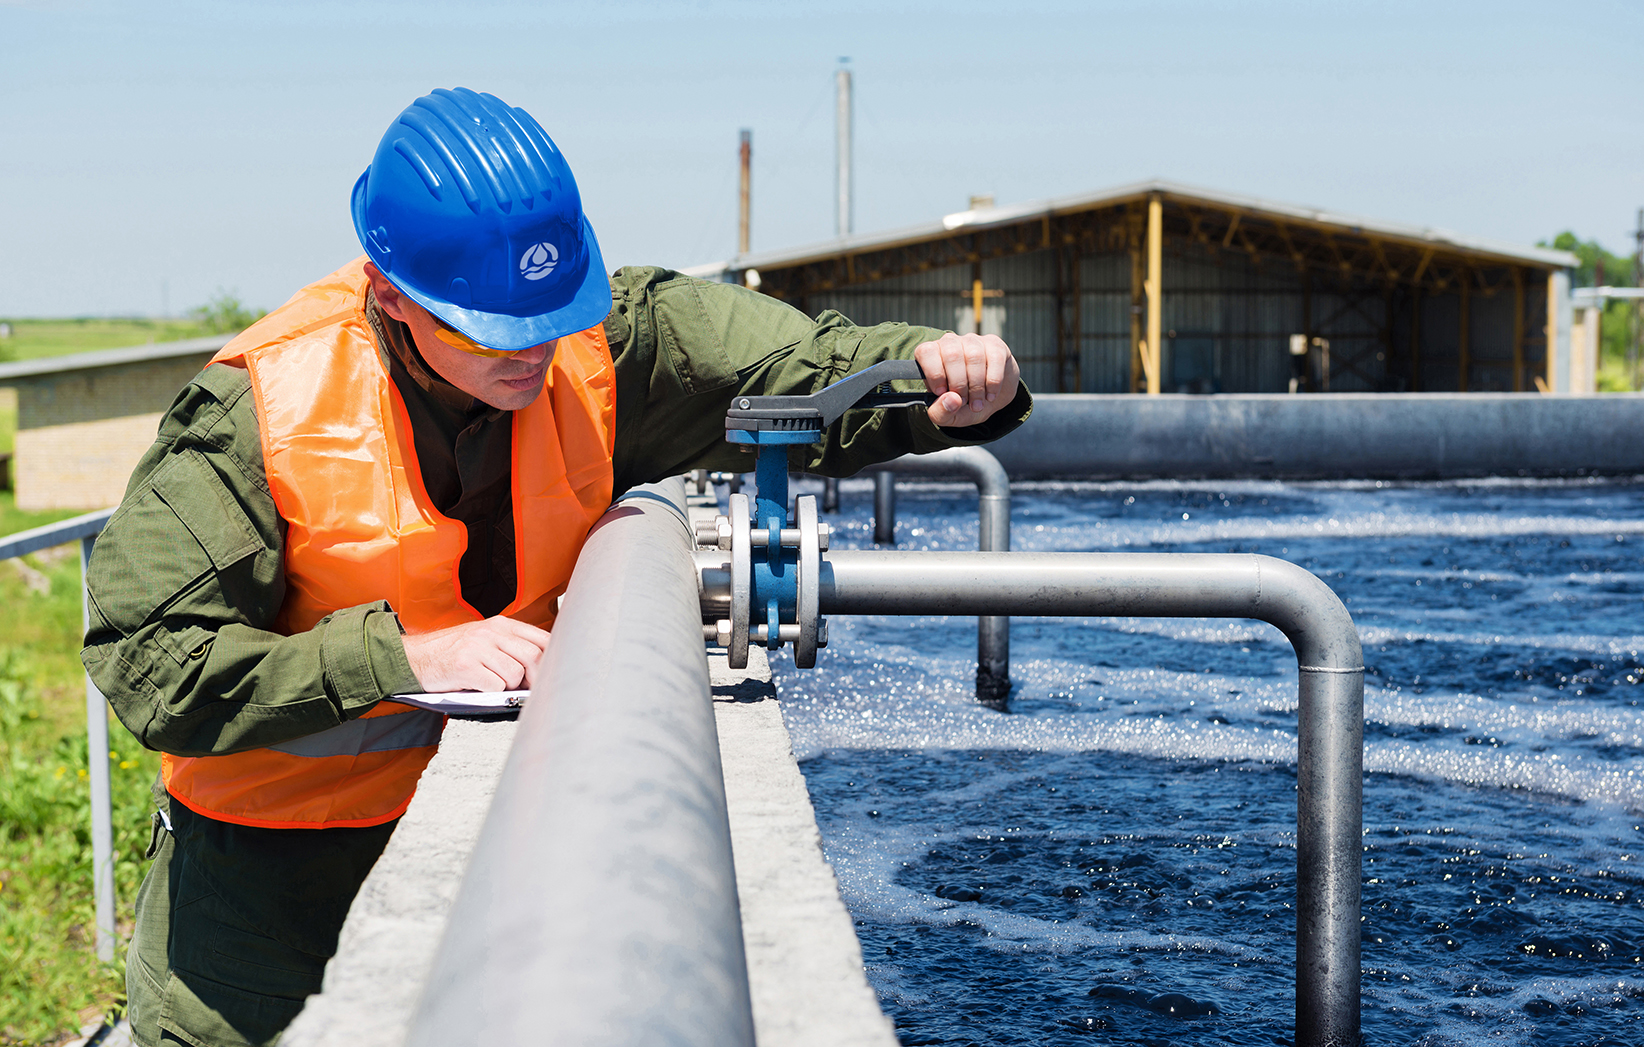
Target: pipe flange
(741, 582)
(809, 582)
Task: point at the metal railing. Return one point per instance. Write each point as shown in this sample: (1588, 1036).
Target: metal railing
(85, 530)
(600, 903)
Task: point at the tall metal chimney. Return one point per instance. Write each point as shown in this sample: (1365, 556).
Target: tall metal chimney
(844, 218)
(744, 196)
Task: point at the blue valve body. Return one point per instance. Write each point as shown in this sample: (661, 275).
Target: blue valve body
(773, 424)
(775, 574)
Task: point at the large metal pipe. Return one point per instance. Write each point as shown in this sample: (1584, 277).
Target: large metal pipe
(1325, 436)
(600, 903)
(993, 491)
(1330, 730)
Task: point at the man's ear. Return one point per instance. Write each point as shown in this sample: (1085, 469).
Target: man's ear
(389, 299)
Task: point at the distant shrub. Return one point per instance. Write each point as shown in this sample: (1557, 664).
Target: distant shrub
(226, 314)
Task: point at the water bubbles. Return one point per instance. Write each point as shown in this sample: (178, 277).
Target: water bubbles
(1130, 822)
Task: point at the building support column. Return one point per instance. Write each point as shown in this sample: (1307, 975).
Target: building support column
(1386, 338)
(1151, 356)
(1464, 345)
(1518, 329)
(1314, 363)
(1069, 334)
(1557, 282)
(1415, 338)
(1135, 240)
(1592, 346)
(1060, 261)
(976, 295)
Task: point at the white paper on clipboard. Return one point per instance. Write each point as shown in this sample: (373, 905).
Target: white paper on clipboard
(465, 703)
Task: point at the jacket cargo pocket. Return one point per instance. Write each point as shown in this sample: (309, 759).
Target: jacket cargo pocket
(145, 562)
(682, 319)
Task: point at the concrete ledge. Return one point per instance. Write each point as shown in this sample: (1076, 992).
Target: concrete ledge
(804, 961)
(1326, 436)
(387, 944)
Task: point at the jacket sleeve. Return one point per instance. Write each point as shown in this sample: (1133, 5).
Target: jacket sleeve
(684, 347)
(185, 583)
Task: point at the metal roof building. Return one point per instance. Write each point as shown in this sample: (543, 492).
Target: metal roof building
(1160, 287)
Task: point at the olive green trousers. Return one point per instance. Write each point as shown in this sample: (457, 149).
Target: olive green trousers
(235, 925)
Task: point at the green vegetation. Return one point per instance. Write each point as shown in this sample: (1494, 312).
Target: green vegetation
(51, 982)
(13, 519)
(226, 314)
(1621, 320)
(37, 339)
(8, 423)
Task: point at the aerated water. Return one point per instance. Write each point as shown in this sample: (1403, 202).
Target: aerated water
(1113, 859)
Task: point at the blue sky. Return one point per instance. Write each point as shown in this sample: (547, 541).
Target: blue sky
(181, 147)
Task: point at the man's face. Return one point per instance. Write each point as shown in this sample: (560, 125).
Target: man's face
(509, 382)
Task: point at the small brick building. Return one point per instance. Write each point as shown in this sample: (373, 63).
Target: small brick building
(83, 421)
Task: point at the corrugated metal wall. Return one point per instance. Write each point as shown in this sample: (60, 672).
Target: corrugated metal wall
(1227, 322)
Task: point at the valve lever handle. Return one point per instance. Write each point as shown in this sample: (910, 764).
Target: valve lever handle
(822, 408)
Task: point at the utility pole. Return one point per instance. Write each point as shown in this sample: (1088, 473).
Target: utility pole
(745, 195)
(844, 218)
(843, 223)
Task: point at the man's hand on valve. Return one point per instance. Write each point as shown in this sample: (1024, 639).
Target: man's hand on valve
(972, 375)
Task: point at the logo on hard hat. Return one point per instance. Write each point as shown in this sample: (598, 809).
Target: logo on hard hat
(538, 260)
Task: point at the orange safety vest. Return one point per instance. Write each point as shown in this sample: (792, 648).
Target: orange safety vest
(342, 466)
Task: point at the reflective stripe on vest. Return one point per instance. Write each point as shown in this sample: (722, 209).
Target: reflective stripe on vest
(377, 734)
(343, 470)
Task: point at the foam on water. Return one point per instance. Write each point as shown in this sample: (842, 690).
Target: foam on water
(1127, 828)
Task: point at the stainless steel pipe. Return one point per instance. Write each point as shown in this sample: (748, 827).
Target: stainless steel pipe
(1330, 730)
(884, 508)
(993, 490)
(600, 904)
(1092, 436)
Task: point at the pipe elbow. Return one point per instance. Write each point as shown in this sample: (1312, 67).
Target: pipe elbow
(976, 464)
(991, 478)
(1310, 614)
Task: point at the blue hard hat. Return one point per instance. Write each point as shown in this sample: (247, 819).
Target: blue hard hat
(470, 209)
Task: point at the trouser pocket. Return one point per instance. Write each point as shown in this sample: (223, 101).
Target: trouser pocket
(231, 984)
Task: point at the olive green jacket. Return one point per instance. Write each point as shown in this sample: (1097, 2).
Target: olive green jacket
(186, 580)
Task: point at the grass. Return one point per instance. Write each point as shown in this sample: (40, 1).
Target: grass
(36, 339)
(51, 982)
(8, 424)
(1613, 374)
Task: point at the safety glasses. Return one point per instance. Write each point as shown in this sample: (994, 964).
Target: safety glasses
(457, 340)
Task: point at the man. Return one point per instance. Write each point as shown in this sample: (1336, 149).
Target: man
(381, 488)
